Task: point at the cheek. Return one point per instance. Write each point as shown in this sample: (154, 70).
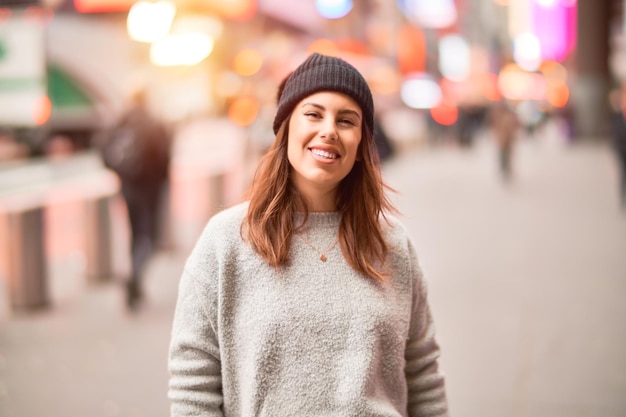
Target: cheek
(294, 148)
(354, 149)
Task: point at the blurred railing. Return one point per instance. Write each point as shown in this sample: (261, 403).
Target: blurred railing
(27, 189)
(52, 209)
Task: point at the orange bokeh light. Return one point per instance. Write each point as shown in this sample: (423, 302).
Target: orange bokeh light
(42, 110)
(411, 49)
(353, 46)
(557, 94)
(243, 111)
(324, 47)
(233, 9)
(445, 114)
(248, 62)
(102, 6)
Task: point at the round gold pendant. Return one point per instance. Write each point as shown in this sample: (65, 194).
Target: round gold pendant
(323, 258)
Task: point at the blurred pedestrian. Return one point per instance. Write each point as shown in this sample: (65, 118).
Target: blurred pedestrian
(505, 125)
(10, 148)
(384, 145)
(308, 299)
(618, 106)
(138, 150)
(59, 147)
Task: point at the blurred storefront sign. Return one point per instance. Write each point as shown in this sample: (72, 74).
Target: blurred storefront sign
(71, 105)
(233, 9)
(22, 70)
(102, 6)
(301, 14)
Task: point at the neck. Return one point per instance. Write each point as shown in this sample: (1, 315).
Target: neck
(322, 202)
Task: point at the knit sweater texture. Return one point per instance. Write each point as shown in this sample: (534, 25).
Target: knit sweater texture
(312, 338)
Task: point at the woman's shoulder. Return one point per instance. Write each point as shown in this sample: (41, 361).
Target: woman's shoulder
(221, 233)
(225, 225)
(229, 217)
(394, 228)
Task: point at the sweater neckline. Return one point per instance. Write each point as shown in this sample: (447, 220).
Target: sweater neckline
(320, 219)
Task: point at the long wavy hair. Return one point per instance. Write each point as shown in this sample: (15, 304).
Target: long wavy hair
(274, 202)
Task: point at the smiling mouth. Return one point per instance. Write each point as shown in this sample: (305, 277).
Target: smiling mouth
(324, 154)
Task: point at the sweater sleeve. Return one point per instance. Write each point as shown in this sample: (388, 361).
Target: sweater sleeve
(427, 395)
(195, 386)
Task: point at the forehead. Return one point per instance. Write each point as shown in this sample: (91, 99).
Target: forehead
(331, 99)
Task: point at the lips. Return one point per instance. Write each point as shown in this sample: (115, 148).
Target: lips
(324, 153)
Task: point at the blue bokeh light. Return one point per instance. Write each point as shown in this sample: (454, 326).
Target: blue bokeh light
(333, 9)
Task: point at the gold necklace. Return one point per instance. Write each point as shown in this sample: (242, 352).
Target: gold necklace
(323, 257)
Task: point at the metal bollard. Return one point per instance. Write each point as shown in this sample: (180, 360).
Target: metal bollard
(28, 287)
(99, 265)
(217, 195)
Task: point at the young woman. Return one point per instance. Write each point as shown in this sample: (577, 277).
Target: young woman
(307, 299)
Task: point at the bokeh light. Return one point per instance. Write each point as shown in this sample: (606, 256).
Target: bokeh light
(243, 111)
(553, 70)
(148, 22)
(247, 62)
(527, 51)
(434, 14)
(384, 79)
(333, 9)
(238, 10)
(42, 108)
(411, 49)
(517, 84)
(446, 114)
(181, 49)
(324, 46)
(208, 24)
(454, 57)
(557, 93)
(420, 91)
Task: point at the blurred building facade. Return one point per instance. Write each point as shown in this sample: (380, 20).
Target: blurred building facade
(432, 60)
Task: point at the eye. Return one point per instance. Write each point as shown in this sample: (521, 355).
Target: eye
(346, 121)
(313, 114)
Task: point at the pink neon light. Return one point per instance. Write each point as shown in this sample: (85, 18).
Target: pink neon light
(555, 27)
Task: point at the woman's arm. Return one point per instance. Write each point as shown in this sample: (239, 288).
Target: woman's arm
(195, 386)
(427, 394)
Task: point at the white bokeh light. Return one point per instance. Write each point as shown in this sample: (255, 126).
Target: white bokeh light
(527, 51)
(148, 21)
(431, 13)
(454, 57)
(420, 91)
(181, 49)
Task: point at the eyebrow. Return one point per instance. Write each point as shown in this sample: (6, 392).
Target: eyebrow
(343, 111)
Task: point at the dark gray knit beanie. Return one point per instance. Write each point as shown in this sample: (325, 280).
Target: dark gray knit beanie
(324, 73)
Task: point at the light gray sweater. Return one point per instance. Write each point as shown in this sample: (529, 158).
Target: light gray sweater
(311, 339)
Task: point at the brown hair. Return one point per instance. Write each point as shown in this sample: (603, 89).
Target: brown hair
(361, 200)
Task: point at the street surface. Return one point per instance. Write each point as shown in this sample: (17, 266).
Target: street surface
(526, 279)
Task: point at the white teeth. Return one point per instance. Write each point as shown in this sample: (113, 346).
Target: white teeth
(324, 154)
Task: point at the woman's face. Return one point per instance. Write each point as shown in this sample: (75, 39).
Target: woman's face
(324, 136)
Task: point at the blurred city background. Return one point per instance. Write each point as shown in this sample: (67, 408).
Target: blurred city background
(498, 119)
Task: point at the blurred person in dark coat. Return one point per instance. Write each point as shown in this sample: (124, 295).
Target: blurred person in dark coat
(505, 125)
(618, 124)
(138, 150)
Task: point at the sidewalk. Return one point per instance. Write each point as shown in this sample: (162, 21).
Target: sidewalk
(526, 281)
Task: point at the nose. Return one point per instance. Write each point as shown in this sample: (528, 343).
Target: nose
(328, 130)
